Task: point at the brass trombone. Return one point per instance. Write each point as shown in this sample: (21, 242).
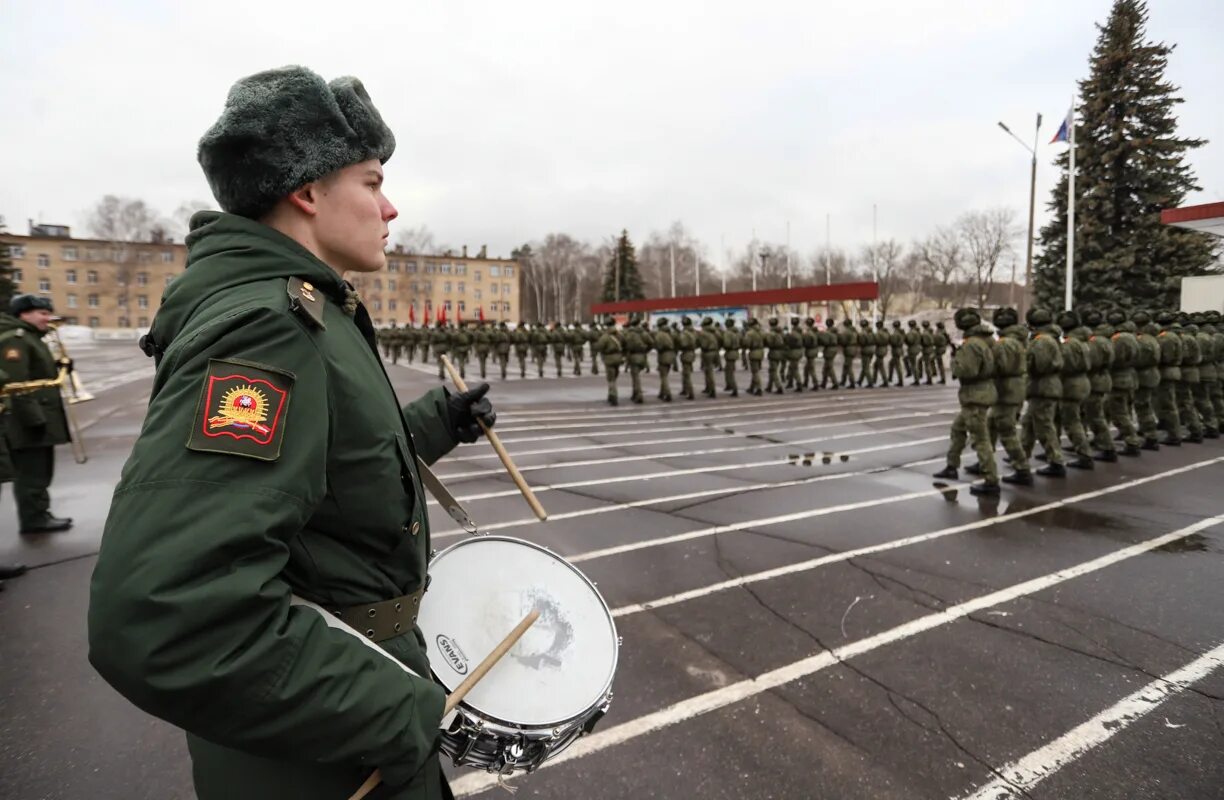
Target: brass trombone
(75, 393)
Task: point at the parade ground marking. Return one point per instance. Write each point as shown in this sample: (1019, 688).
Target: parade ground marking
(859, 552)
(708, 432)
(592, 462)
(736, 490)
(646, 476)
(481, 473)
(698, 705)
(1021, 776)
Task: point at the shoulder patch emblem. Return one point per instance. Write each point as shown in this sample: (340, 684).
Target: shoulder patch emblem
(241, 410)
(12, 354)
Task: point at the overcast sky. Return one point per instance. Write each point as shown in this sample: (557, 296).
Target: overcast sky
(515, 120)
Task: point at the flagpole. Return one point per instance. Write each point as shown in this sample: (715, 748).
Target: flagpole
(1070, 210)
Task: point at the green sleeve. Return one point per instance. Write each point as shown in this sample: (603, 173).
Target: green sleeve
(27, 409)
(428, 420)
(190, 614)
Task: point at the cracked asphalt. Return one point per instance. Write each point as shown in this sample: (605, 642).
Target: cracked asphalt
(849, 579)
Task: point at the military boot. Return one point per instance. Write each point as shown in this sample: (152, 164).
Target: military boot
(1083, 462)
(974, 469)
(49, 524)
(1053, 471)
(984, 489)
(1107, 456)
(1131, 450)
(948, 473)
(11, 571)
(1211, 433)
(1019, 478)
(1150, 444)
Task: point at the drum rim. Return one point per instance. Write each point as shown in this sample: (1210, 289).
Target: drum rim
(604, 693)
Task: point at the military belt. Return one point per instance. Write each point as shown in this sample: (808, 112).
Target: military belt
(384, 620)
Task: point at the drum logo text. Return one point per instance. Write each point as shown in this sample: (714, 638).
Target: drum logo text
(456, 656)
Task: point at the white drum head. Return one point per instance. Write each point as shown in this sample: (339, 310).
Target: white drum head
(479, 590)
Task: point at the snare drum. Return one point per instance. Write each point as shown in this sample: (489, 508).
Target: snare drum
(553, 685)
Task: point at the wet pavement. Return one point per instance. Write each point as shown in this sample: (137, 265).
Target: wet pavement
(805, 612)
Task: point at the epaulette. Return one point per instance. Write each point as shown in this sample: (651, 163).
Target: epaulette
(305, 303)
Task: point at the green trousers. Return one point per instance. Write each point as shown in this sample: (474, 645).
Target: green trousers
(635, 379)
(1071, 417)
(1004, 421)
(1185, 407)
(971, 424)
(1038, 425)
(484, 360)
(729, 372)
(1166, 407)
(1202, 403)
(828, 376)
(503, 360)
(610, 373)
(809, 372)
(686, 379)
(754, 365)
(664, 384)
(33, 469)
(895, 365)
(1095, 421)
(1216, 391)
(1122, 414)
(775, 376)
(522, 359)
(865, 375)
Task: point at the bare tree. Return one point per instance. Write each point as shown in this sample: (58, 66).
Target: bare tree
(418, 241)
(886, 262)
(181, 220)
(121, 222)
(987, 237)
(943, 265)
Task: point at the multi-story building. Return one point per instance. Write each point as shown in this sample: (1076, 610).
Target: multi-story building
(105, 284)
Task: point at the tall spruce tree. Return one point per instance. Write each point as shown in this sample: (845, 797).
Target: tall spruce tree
(7, 287)
(1129, 165)
(622, 281)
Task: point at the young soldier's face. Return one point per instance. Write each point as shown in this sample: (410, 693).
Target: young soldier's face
(38, 317)
(353, 213)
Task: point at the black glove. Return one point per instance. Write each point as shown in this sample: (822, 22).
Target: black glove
(67, 364)
(465, 409)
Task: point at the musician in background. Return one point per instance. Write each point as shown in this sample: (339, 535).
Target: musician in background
(265, 554)
(6, 476)
(36, 421)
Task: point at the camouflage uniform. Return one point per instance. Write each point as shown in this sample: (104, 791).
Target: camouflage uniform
(847, 341)
(829, 347)
(942, 342)
(974, 368)
(539, 347)
(522, 342)
(686, 343)
(1043, 391)
(867, 347)
(1010, 377)
(896, 354)
(913, 352)
(461, 345)
(731, 346)
(878, 372)
(707, 340)
(484, 343)
(608, 345)
(439, 342)
(927, 338)
(811, 352)
(1147, 364)
(666, 348)
(1125, 380)
(1077, 386)
(793, 338)
(754, 350)
(501, 346)
(637, 349)
(1100, 375)
(1170, 379)
(777, 356)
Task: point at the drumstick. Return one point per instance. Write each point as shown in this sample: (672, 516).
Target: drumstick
(456, 697)
(507, 462)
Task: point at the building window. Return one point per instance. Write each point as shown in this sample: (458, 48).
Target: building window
(167, 256)
(91, 276)
(44, 260)
(393, 266)
(410, 267)
(92, 300)
(476, 294)
(70, 321)
(447, 305)
(94, 322)
(378, 283)
(142, 301)
(377, 304)
(391, 284)
(429, 269)
(72, 303)
(124, 322)
(508, 272)
(122, 301)
(461, 269)
(446, 287)
(494, 272)
(391, 304)
(445, 269)
(143, 322)
(505, 288)
(44, 285)
(429, 286)
(70, 276)
(476, 275)
(142, 279)
(16, 276)
(17, 250)
(461, 288)
(93, 254)
(506, 307)
(70, 254)
(462, 306)
(144, 257)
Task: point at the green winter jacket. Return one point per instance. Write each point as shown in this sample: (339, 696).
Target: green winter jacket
(1010, 364)
(1101, 362)
(6, 465)
(274, 466)
(36, 419)
(609, 347)
(973, 366)
(1043, 363)
(754, 343)
(1126, 357)
(1192, 357)
(1170, 355)
(636, 346)
(1077, 359)
(1147, 361)
(665, 346)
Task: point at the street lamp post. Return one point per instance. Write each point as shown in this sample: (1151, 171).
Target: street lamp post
(1028, 259)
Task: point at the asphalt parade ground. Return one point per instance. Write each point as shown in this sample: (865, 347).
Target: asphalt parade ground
(805, 611)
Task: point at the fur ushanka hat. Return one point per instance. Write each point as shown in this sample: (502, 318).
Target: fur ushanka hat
(284, 128)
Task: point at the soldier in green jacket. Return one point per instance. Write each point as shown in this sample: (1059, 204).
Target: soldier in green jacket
(577, 341)
(828, 350)
(1010, 360)
(637, 350)
(36, 420)
(913, 352)
(867, 349)
(6, 476)
(461, 347)
(811, 353)
(267, 543)
(731, 356)
(423, 340)
(591, 335)
(1147, 364)
(482, 341)
(686, 344)
(777, 356)
(1124, 380)
(878, 373)
(1169, 391)
(665, 346)
(1215, 390)
(439, 343)
(896, 356)
(942, 342)
(539, 346)
(608, 345)
(927, 339)
(500, 337)
(1192, 381)
(1100, 375)
(847, 343)
(707, 341)
(521, 337)
(793, 339)
(558, 341)
(974, 368)
(1043, 365)
(1077, 386)
(1208, 377)
(754, 349)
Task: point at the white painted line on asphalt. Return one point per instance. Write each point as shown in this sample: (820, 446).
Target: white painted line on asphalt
(750, 687)
(847, 555)
(713, 468)
(736, 490)
(763, 522)
(671, 474)
(480, 473)
(1021, 776)
(592, 462)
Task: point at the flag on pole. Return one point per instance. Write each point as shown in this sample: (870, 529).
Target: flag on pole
(480, 312)
(412, 314)
(1064, 130)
